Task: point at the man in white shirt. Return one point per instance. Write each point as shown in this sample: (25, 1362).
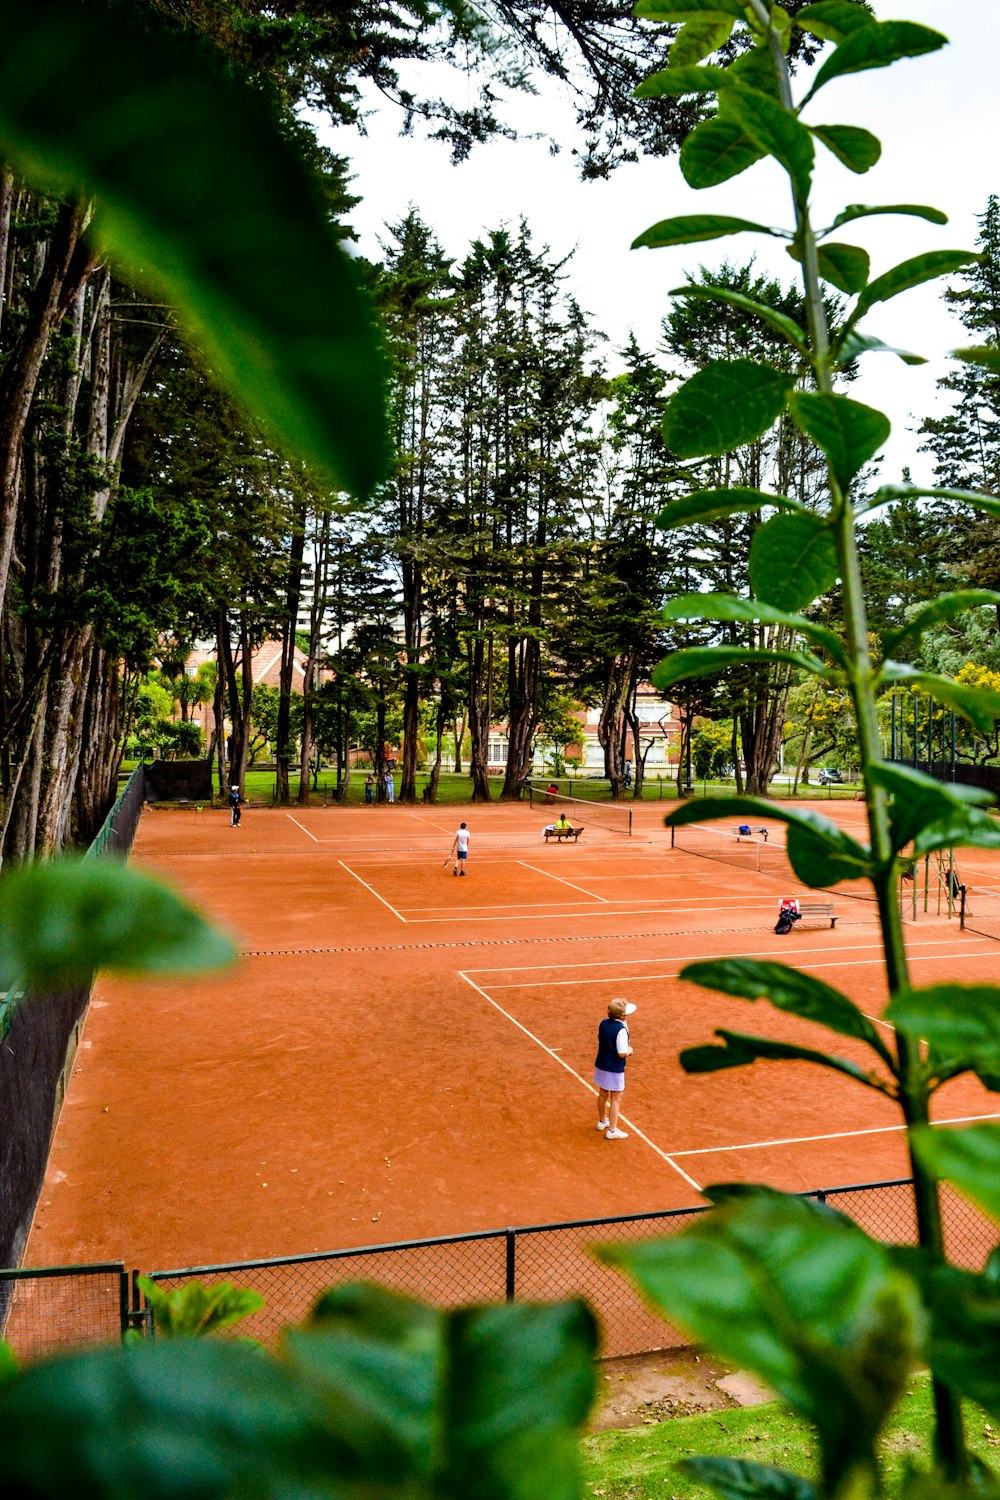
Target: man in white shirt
(460, 849)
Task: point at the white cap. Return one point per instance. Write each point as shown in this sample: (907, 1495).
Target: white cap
(630, 1009)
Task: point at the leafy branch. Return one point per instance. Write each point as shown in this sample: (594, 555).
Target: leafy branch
(759, 1304)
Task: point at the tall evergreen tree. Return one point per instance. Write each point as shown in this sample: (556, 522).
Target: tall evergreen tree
(966, 441)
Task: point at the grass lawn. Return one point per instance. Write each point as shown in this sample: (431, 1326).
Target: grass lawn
(639, 1462)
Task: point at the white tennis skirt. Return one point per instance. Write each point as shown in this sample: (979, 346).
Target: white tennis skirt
(612, 1083)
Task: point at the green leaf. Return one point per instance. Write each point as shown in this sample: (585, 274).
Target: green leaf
(739, 1479)
(698, 38)
(969, 1158)
(800, 1296)
(793, 559)
(713, 505)
(843, 266)
(961, 1025)
(482, 1401)
(887, 493)
(776, 131)
(779, 321)
(8, 1361)
(62, 920)
(858, 149)
(740, 1050)
(193, 1310)
(788, 990)
(753, 611)
(683, 10)
(677, 81)
(926, 810)
(820, 853)
(204, 1417)
(201, 198)
(963, 1342)
(855, 344)
(753, 68)
(910, 273)
(689, 229)
(877, 45)
(981, 706)
(867, 211)
(848, 432)
(984, 355)
(727, 404)
(833, 20)
(945, 607)
(715, 151)
(707, 661)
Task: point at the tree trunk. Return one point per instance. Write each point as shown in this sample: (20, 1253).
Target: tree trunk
(64, 271)
(293, 599)
(411, 736)
(523, 671)
(480, 715)
(431, 790)
(619, 671)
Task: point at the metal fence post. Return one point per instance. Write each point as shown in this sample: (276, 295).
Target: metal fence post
(511, 1239)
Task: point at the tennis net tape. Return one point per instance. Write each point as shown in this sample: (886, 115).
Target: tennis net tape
(747, 851)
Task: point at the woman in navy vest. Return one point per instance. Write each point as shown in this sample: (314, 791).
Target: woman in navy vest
(609, 1069)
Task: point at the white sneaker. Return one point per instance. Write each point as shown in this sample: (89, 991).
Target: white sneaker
(616, 1135)
(602, 1124)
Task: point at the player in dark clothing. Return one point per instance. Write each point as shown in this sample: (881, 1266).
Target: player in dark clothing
(234, 806)
(613, 1048)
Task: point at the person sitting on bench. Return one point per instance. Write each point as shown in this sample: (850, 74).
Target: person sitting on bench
(562, 825)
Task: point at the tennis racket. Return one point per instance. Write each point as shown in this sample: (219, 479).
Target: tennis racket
(447, 861)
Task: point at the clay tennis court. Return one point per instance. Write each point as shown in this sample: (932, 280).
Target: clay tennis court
(400, 1053)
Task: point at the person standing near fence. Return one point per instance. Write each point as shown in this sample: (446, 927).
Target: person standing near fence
(613, 1050)
(390, 787)
(235, 806)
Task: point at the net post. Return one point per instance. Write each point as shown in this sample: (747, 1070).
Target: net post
(961, 918)
(630, 822)
(672, 831)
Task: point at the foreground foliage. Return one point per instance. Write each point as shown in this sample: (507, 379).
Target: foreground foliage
(831, 1320)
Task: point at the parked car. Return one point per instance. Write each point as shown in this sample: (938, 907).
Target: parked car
(830, 778)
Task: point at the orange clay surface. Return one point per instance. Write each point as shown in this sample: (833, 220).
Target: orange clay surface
(400, 1053)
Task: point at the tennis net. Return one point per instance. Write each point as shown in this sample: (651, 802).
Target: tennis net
(582, 810)
(748, 851)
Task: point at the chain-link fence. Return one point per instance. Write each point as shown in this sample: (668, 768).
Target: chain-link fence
(549, 1261)
(57, 1307)
(44, 1309)
(39, 1035)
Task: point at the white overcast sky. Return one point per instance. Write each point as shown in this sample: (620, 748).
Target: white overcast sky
(938, 118)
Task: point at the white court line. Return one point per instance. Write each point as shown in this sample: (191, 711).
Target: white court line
(602, 899)
(808, 968)
(837, 1135)
(573, 1073)
(682, 958)
(424, 818)
(304, 829)
(374, 892)
(496, 906)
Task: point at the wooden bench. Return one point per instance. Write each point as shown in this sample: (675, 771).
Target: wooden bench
(819, 910)
(562, 834)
